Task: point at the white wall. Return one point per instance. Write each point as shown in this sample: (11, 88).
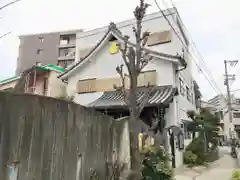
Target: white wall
(56, 88)
(153, 23)
(104, 64)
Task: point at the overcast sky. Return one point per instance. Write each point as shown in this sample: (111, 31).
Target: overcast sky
(214, 25)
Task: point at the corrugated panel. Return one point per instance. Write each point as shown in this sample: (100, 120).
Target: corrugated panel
(88, 85)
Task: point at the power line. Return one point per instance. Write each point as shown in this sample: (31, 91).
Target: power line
(8, 4)
(2, 36)
(201, 58)
(196, 50)
(216, 89)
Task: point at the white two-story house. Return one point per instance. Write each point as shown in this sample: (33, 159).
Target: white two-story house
(92, 78)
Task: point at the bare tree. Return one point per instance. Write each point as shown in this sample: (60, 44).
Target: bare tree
(135, 59)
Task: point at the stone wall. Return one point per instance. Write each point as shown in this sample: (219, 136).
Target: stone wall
(52, 139)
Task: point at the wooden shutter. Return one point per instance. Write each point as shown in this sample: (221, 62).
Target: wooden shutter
(150, 77)
(159, 38)
(107, 84)
(87, 85)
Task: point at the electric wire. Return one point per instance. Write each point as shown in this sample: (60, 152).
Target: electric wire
(197, 51)
(215, 88)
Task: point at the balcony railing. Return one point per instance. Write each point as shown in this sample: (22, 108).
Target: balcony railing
(30, 90)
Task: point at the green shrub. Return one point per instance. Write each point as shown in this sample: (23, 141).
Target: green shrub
(156, 164)
(197, 148)
(236, 175)
(189, 158)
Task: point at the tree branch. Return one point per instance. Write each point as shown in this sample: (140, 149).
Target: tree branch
(122, 88)
(124, 50)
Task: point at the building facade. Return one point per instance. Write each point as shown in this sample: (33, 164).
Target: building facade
(220, 107)
(47, 48)
(91, 80)
(9, 83)
(40, 79)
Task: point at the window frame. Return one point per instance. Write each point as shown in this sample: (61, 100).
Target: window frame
(188, 94)
(181, 86)
(39, 51)
(41, 38)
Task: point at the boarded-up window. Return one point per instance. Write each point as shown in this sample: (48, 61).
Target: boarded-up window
(159, 38)
(147, 77)
(108, 84)
(84, 52)
(87, 85)
(150, 77)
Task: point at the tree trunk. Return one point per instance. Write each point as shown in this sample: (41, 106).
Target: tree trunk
(134, 151)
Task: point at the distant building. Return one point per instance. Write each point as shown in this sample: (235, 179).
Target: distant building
(56, 48)
(40, 79)
(9, 83)
(219, 106)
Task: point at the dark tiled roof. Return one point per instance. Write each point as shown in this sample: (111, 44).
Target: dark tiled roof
(113, 99)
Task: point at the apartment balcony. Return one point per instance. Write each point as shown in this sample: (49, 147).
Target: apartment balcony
(67, 44)
(67, 56)
(61, 58)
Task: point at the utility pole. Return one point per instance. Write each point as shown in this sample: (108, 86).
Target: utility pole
(229, 99)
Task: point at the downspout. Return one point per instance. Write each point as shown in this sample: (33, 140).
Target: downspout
(176, 80)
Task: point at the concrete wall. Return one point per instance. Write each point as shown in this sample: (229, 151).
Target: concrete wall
(56, 88)
(28, 50)
(47, 137)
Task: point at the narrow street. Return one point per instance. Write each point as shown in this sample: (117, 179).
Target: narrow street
(219, 170)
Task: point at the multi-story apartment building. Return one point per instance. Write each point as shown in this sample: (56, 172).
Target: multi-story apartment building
(92, 78)
(47, 48)
(220, 107)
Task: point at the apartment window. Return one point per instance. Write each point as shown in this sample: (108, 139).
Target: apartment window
(182, 89)
(236, 115)
(41, 38)
(237, 101)
(64, 40)
(65, 63)
(67, 52)
(188, 94)
(45, 85)
(39, 51)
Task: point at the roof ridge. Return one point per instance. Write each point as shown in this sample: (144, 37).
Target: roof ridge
(112, 28)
